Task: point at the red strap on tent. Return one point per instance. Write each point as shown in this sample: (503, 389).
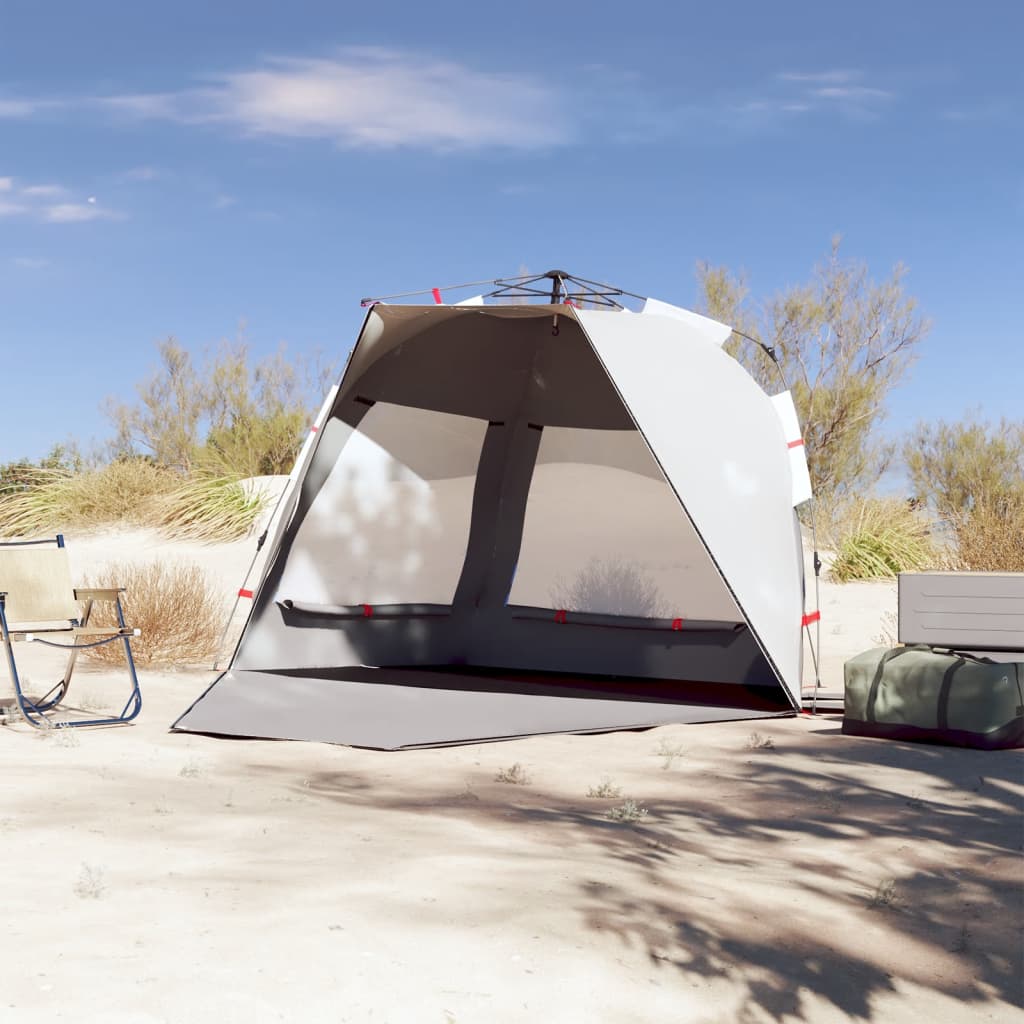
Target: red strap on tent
(560, 615)
(436, 292)
(677, 624)
(313, 429)
(812, 617)
(798, 443)
(245, 593)
(367, 611)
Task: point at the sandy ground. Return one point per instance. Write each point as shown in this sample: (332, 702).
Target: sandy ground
(781, 872)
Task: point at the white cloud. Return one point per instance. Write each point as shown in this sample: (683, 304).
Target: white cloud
(835, 77)
(840, 91)
(52, 204)
(368, 98)
(143, 105)
(44, 191)
(518, 189)
(30, 263)
(996, 109)
(851, 92)
(70, 213)
(18, 108)
(138, 174)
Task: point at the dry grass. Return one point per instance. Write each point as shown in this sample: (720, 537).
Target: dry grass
(208, 508)
(990, 538)
(54, 500)
(177, 608)
(882, 538)
(130, 492)
(517, 775)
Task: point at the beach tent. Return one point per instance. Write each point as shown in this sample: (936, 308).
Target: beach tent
(515, 519)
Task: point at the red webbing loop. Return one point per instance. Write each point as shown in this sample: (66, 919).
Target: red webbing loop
(245, 593)
(677, 624)
(560, 615)
(812, 617)
(436, 292)
(367, 611)
(798, 443)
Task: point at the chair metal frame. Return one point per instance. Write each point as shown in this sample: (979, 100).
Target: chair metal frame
(34, 710)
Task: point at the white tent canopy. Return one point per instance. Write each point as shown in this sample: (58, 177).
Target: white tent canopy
(526, 518)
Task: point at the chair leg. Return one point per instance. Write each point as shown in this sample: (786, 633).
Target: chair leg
(30, 711)
(133, 705)
(48, 701)
(33, 711)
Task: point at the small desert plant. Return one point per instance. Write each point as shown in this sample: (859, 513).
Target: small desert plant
(65, 737)
(884, 538)
(886, 637)
(628, 811)
(191, 769)
(516, 775)
(610, 587)
(885, 894)
(208, 508)
(56, 499)
(605, 790)
(90, 884)
(755, 741)
(670, 752)
(174, 605)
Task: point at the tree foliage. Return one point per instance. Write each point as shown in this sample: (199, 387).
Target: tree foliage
(23, 473)
(972, 475)
(842, 341)
(225, 415)
(956, 467)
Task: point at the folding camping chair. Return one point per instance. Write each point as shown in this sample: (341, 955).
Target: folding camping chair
(39, 605)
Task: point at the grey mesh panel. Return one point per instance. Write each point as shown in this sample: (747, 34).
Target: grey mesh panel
(610, 536)
(391, 521)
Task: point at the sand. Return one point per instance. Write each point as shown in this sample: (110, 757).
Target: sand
(780, 872)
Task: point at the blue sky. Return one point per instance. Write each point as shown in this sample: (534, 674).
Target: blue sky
(183, 168)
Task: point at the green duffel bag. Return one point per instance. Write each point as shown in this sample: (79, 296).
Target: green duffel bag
(930, 696)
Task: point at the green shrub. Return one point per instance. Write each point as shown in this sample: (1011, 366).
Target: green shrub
(884, 537)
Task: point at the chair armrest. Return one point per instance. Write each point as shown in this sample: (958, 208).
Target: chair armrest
(98, 593)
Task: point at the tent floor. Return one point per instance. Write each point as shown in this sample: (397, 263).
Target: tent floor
(392, 708)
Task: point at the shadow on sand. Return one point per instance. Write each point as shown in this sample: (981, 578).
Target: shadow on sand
(942, 885)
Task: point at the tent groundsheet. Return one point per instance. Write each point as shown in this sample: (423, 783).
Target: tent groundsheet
(390, 709)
